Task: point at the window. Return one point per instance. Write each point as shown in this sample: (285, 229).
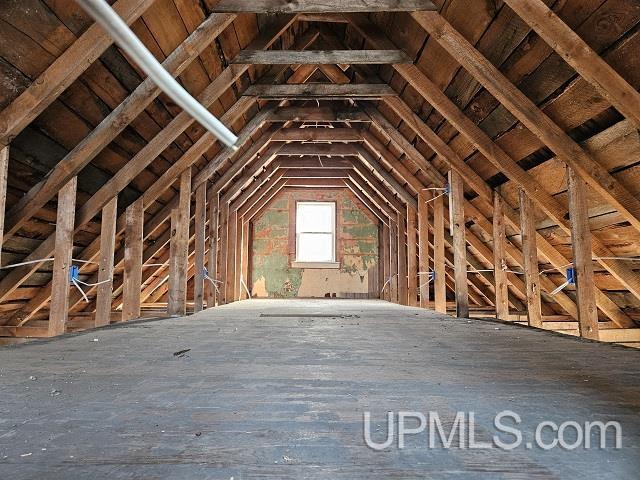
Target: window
(316, 234)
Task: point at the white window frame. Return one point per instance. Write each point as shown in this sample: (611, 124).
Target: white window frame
(332, 263)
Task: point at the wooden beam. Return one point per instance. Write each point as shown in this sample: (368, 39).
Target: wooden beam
(105, 272)
(403, 287)
(113, 124)
(456, 202)
(213, 247)
(596, 176)
(318, 134)
(321, 57)
(580, 56)
(63, 72)
(412, 256)
(581, 247)
(133, 247)
(321, 6)
(179, 249)
(320, 90)
(500, 259)
(439, 260)
(59, 309)
(530, 251)
(315, 114)
(200, 222)
(423, 246)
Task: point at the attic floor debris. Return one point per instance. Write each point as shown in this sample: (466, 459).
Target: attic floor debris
(263, 394)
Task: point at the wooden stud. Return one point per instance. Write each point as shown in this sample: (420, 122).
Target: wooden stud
(393, 263)
(105, 273)
(530, 251)
(385, 289)
(403, 293)
(179, 248)
(456, 201)
(439, 259)
(423, 248)
(200, 222)
(499, 259)
(4, 167)
(213, 248)
(133, 248)
(583, 265)
(59, 309)
(412, 256)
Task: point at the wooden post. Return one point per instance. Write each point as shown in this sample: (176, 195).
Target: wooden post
(499, 258)
(4, 166)
(133, 247)
(386, 265)
(230, 275)
(402, 261)
(223, 251)
(581, 244)
(179, 248)
(459, 243)
(423, 247)
(530, 252)
(105, 274)
(212, 265)
(439, 259)
(246, 255)
(200, 221)
(412, 256)
(393, 262)
(59, 309)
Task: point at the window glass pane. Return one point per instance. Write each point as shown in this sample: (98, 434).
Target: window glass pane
(315, 217)
(315, 247)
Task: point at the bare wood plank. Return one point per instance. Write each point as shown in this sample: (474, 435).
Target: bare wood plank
(439, 259)
(322, 57)
(59, 309)
(393, 271)
(581, 246)
(318, 134)
(319, 6)
(530, 251)
(321, 90)
(179, 249)
(458, 228)
(315, 114)
(412, 256)
(113, 124)
(213, 247)
(500, 259)
(200, 221)
(4, 167)
(63, 72)
(423, 246)
(596, 176)
(403, 286)
(580, 56)
(133, 247)
(105, 273)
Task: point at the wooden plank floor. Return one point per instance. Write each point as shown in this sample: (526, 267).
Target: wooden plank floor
(283, 396)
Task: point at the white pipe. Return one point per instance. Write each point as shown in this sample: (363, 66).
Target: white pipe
(127, 40)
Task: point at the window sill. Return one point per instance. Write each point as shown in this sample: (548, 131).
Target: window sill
(334, 265)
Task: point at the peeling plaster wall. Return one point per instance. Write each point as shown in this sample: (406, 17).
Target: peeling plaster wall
(273, 249)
